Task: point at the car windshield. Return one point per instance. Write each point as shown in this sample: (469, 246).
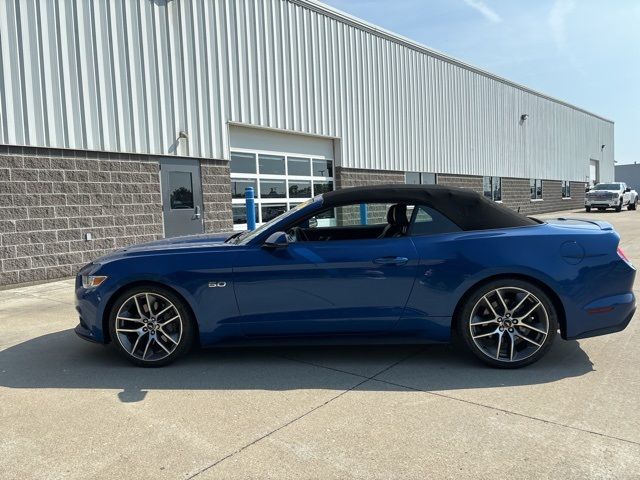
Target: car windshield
(246, 237)
(607, 186)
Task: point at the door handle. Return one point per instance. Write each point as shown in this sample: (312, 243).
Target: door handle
(196, 212)
(391, 260)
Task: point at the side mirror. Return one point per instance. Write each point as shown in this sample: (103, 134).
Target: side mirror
(627, 190)
(313, 222)
(277, 240)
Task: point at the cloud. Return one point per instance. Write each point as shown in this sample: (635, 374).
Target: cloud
(557, 19)
(485, 10)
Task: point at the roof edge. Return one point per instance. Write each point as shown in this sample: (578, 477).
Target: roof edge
(344, 17)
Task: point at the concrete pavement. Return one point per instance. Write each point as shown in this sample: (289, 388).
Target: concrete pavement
(70, 409)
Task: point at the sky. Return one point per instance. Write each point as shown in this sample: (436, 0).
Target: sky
(586, 52)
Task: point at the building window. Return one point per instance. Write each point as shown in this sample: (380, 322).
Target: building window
(419, 178)
(492, 188)
(566, 189)
(280, 182)
(243, 163)
(536, 189)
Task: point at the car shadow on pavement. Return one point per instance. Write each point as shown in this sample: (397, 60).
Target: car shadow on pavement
(59, 360)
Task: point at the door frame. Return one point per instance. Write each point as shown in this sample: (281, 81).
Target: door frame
(193, 165)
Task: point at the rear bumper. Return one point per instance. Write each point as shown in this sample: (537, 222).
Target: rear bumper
(600, 317)
(606, 330)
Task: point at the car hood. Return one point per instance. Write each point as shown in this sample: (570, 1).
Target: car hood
(164, 245)
(185, 241)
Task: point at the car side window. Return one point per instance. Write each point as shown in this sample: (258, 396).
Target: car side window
(353, 215)
(358, 221)
(428, 221)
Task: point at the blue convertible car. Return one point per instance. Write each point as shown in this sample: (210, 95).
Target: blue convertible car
(388, 264)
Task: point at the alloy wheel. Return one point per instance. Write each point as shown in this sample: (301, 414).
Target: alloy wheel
(148, 326)
(509, 324)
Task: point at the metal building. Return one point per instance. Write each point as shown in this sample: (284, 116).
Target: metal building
(107, 108)
(629, 174)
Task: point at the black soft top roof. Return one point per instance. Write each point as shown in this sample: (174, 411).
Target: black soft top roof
(468, 209)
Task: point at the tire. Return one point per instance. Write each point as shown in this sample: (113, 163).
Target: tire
(588, 209)
(508, 348)
(152, 340)
(634, 205)
(619, 207)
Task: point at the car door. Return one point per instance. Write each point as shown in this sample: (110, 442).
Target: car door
(625, 195)
(325, 287)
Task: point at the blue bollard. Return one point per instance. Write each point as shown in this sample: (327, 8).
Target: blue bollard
(363, 213)
(251, 208)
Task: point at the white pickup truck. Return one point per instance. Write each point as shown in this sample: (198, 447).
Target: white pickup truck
(611, 195)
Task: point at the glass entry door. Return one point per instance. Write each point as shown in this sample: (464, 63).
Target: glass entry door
(181, 197)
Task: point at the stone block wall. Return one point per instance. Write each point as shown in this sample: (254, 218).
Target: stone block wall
(51, 199)
(352, 177)
(216, 195)
(515, 191)
(473, 182)
(355, 177)
(516, 194)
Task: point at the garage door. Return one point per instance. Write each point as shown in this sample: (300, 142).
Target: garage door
(283, 169)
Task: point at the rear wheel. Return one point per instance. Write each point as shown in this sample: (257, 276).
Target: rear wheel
(588, 209)
(151, 326)
(633, 205)
(508, 323)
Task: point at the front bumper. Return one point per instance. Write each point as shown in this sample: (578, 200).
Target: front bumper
(84, 333)
(89, 307)
(601, 202)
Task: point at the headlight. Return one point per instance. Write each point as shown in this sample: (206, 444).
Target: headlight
(92, 281)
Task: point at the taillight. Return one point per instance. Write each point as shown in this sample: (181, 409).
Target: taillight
(623, 256)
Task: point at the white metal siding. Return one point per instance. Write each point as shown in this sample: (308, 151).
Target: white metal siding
(630, 174)
(128, 75)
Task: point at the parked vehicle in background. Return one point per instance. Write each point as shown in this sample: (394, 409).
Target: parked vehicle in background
(611, 195)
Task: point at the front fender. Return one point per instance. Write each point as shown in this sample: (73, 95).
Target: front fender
(188, 273)
(102, 299)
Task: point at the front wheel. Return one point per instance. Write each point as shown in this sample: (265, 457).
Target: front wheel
(508, 323)
(619, 207)
(588, 209)
(151, 326)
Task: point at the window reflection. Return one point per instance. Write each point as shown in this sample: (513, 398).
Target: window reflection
(271, 211)
(238, 186)
(240, 214)
(272, 189)
(271, 165)
(322, 187)
(242, 163)
(322, 168)
(180, 190)
(299, 166)
(299, 189)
